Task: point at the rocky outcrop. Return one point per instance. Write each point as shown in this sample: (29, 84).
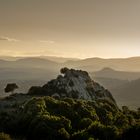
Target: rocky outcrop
(76, 84)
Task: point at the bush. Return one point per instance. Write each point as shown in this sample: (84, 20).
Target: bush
(35, 90)
(63, 134)
(4, 136)
(102, 132)
(81, 135)
(48, 118)
(85, 123)
(132, 133)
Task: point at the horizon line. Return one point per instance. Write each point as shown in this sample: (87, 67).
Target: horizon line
(97, 57)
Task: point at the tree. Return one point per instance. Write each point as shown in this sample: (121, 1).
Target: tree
(125, 109)
(10, 87)
(35, 90)
(64, 70)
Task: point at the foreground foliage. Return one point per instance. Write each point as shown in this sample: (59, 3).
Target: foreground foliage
(47, 118)
(4, 136)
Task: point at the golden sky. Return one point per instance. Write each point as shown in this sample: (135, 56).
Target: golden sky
(70, 28)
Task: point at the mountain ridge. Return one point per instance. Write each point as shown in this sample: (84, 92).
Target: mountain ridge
(116, 74)
(74, 84)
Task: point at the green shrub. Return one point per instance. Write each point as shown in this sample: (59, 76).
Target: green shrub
(85, 123)
(4, 136)
(63, 134)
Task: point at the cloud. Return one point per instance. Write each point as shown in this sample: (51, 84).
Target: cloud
(47, 41)
(4, 38)
(41, 53)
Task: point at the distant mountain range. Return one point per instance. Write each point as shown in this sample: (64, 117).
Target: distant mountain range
(52, 58)
(120, 76)
(42, 68)
(95, 64)
(91, 64)
(126, 69)
(28, 69)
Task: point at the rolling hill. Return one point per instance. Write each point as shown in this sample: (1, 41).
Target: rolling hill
(114, 74)
(95, 64)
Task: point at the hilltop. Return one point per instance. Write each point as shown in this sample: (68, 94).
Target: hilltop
(74, 84)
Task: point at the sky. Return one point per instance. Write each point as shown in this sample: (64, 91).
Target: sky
(70, 28)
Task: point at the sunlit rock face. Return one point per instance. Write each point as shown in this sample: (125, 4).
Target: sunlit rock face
(76, 84)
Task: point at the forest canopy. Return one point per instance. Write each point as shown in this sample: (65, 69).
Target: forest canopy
(42, 118)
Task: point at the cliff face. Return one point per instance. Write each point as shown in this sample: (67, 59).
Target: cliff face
(76, 84)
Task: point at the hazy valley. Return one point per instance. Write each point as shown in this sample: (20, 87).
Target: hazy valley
(27, 72)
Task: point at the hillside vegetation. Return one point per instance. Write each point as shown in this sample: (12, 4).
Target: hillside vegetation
(47, 118)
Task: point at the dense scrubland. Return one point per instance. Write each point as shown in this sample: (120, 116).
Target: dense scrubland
(42, 118)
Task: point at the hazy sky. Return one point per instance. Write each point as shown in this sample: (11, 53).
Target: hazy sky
(70, 28)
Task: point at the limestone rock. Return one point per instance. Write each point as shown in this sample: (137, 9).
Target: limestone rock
(77, 84)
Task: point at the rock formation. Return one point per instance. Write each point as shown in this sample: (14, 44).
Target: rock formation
(76, 84)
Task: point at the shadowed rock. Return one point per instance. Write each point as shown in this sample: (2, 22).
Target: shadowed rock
(76, 84)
